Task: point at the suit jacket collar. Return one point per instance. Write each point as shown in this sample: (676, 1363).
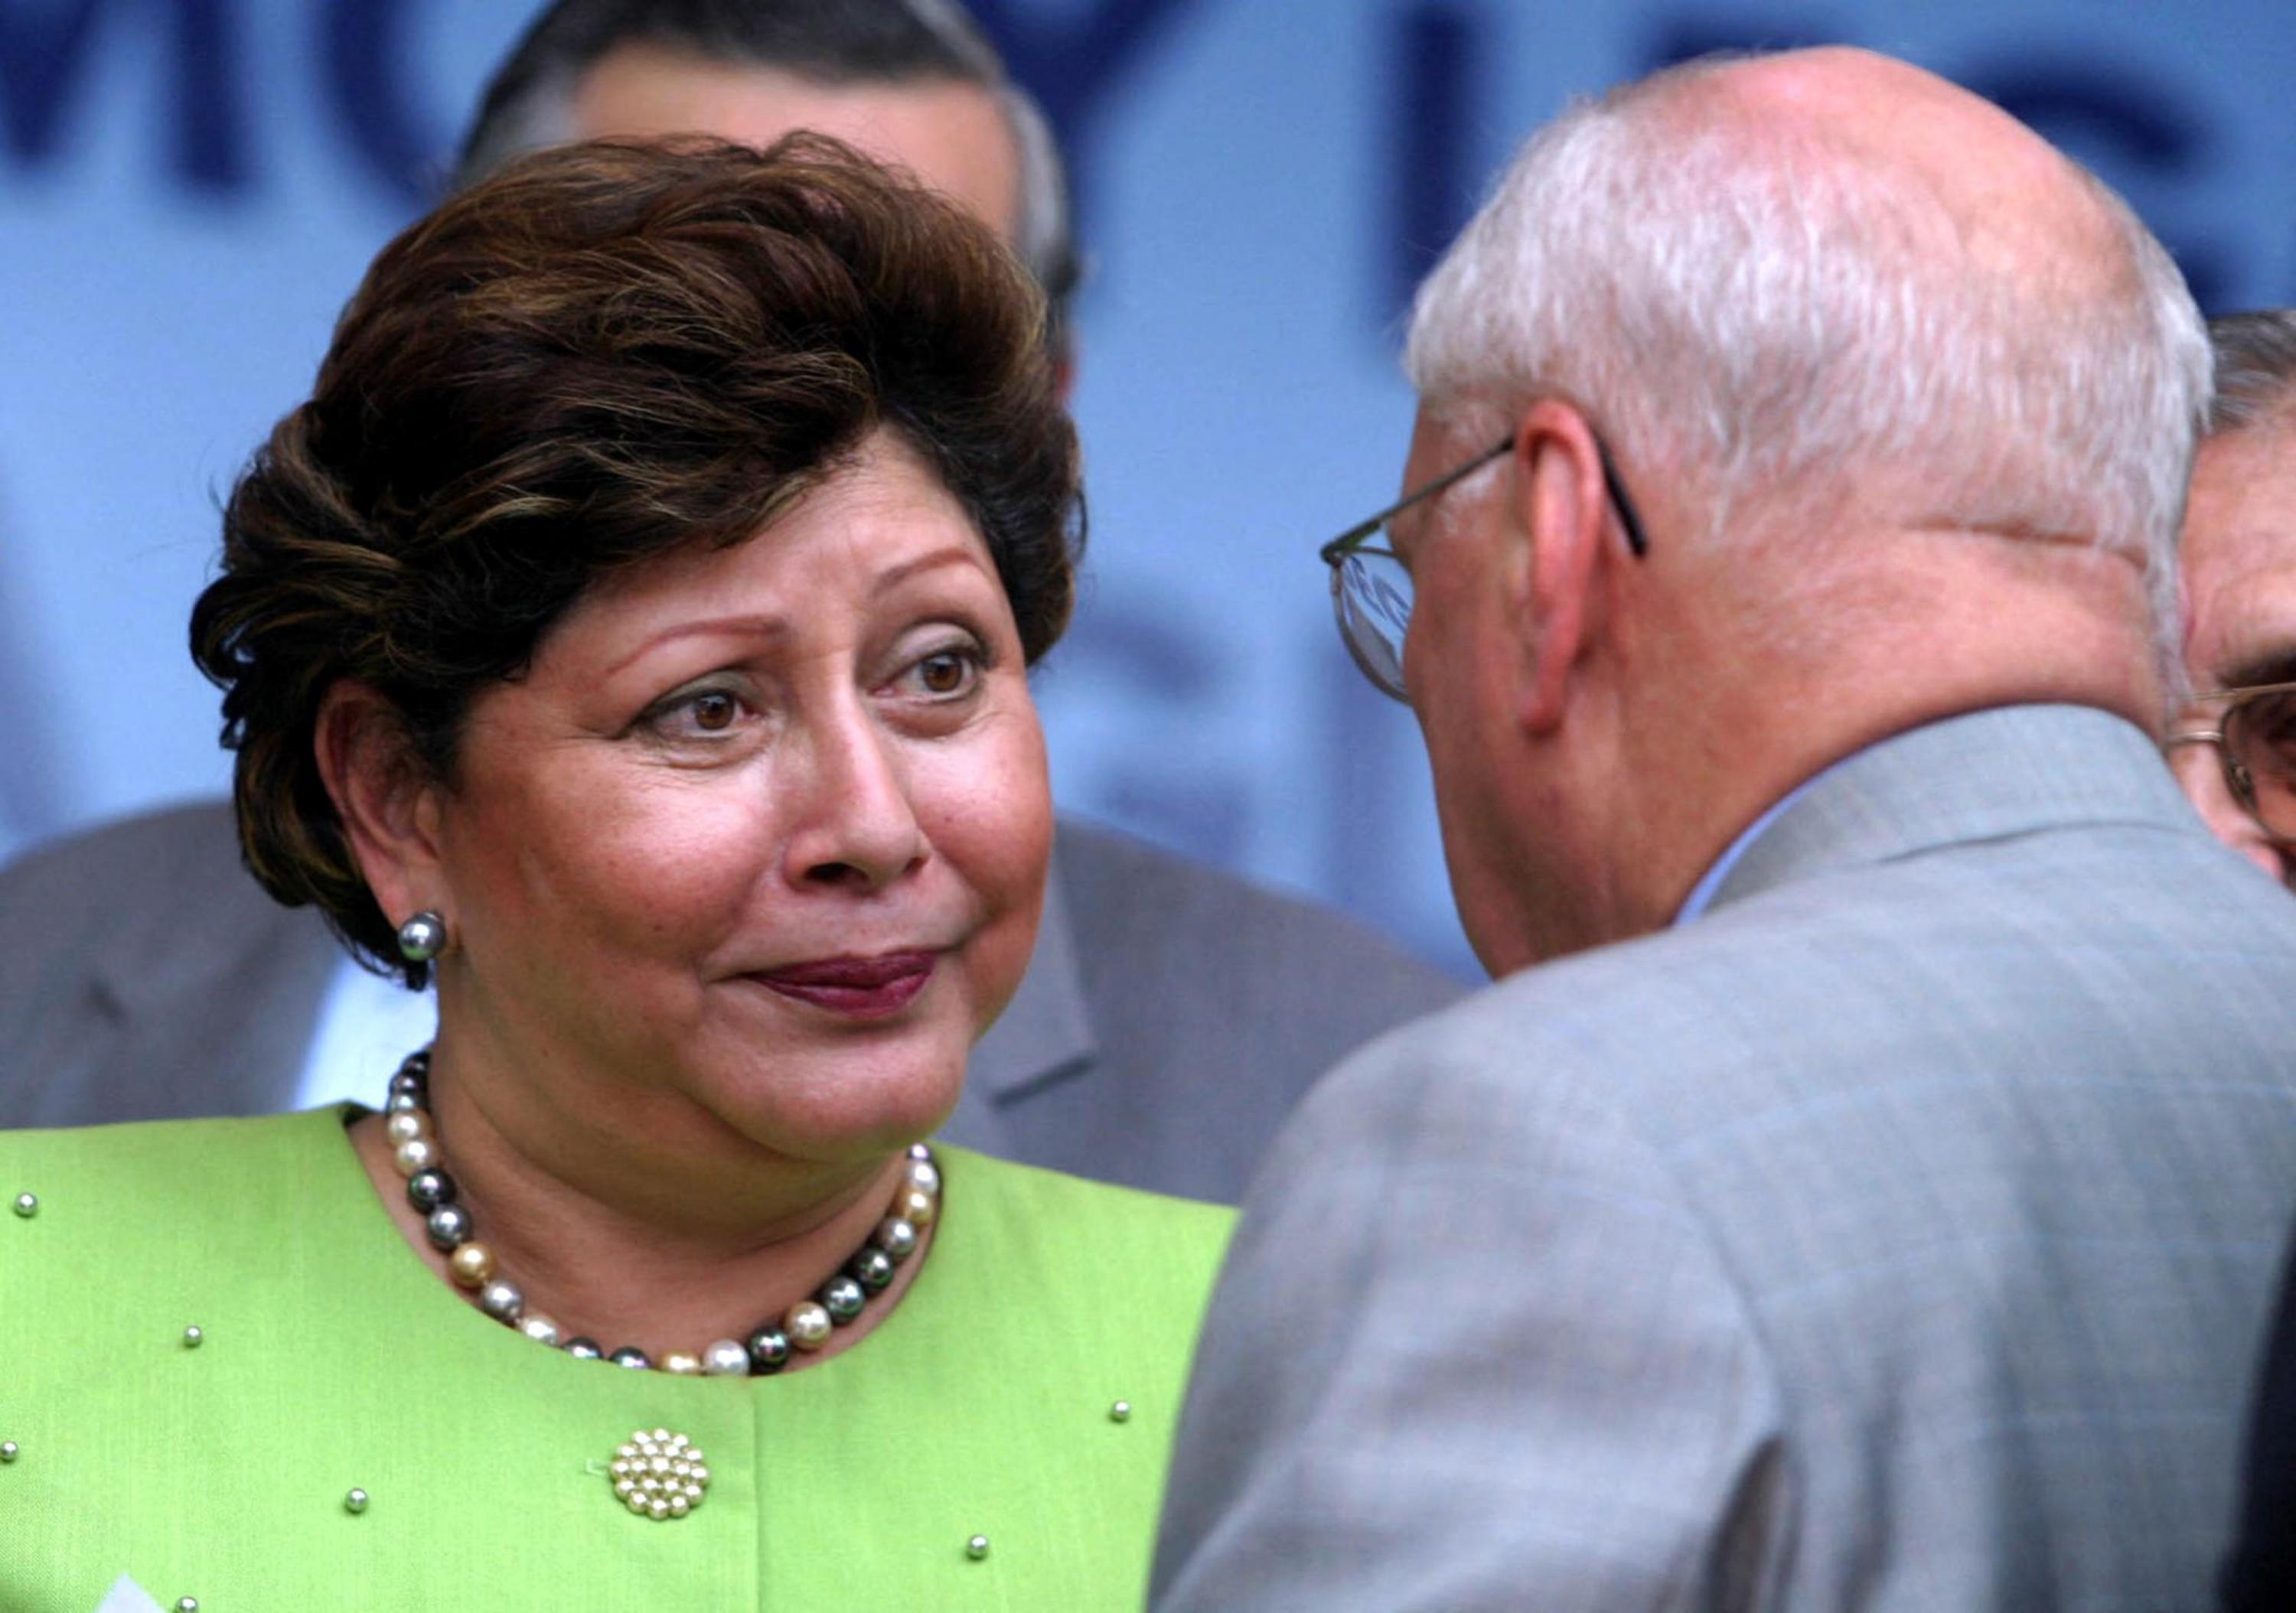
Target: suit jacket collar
(1984, 775)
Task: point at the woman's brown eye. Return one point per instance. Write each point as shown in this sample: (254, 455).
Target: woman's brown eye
(942, 674)
(714, 712)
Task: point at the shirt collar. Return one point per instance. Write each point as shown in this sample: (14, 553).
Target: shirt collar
(1701, 895)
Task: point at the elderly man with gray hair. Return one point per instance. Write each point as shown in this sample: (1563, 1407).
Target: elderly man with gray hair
(1864, 1187)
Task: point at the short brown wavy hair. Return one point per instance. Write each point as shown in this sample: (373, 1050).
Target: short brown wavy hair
(603, 353)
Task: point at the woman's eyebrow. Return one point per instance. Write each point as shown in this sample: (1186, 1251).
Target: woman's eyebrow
(751, 626)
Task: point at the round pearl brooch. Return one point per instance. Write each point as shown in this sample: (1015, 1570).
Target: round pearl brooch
(658, 1474)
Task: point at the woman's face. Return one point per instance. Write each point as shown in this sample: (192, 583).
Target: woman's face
(762, 833)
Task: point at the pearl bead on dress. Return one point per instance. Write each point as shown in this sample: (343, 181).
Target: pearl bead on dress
(914, 1204)
(808, 1325)
(472, 1266)
(448, 1227)
(897, 1237)
(844, 1298)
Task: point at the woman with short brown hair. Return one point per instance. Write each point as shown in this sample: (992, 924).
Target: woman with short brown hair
(631, 633)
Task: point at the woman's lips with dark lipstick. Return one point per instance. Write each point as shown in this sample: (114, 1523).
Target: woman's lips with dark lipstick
(866, 988)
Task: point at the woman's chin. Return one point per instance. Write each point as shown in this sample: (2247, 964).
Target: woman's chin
(843, 1116)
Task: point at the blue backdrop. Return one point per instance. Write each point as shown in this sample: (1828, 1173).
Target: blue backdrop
(190, 188)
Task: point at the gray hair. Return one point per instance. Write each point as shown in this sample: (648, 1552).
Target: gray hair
(529, 102)
(2256, 367)
(1786, 334)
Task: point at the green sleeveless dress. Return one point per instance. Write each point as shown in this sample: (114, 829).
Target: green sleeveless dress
(331, 1359)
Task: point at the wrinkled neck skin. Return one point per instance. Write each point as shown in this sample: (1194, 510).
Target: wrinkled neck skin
(1717, 714)
(621, 1276)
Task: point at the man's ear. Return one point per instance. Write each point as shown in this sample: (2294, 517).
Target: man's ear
(1562, 514)
(386, 797)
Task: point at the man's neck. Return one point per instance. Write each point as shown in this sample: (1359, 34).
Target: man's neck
(1986, 628)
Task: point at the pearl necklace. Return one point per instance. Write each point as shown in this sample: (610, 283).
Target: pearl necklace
(806, 1325)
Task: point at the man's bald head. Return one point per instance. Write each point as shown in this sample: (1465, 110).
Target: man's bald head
(1825, 288)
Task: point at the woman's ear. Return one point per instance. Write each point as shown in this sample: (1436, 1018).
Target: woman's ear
(386, 799)
(1562, 514)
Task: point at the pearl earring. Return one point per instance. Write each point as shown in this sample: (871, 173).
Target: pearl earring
(422, 937)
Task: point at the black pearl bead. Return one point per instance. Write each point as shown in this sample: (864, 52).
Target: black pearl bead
(409, 1079)
(449, 1226)
(584, 1350)
(631, 1356)
(770, 1351)
(843, 1298)
(403, 1103)
(871, 1268)
(426, 1191)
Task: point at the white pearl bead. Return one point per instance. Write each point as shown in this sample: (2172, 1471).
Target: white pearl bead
(924, 1176)
(682, 1363)
(405, 1126)
(808, 1325)
(416, 1154)
(724, 1358)
(541, 1329)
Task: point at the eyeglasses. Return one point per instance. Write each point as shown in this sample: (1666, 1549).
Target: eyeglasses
(1371, 587)
(2255, 737)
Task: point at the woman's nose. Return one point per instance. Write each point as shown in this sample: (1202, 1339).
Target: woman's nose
(855, 823)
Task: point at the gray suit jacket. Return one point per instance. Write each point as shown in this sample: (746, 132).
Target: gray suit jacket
(1896, 1236)
(1171, 1016)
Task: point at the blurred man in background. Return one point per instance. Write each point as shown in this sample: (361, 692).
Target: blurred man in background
(2235, 751)
(1867, 1194)
(1172, 1013)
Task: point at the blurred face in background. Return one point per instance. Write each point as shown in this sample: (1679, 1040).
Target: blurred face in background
(2239, 562)
(954, 137)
